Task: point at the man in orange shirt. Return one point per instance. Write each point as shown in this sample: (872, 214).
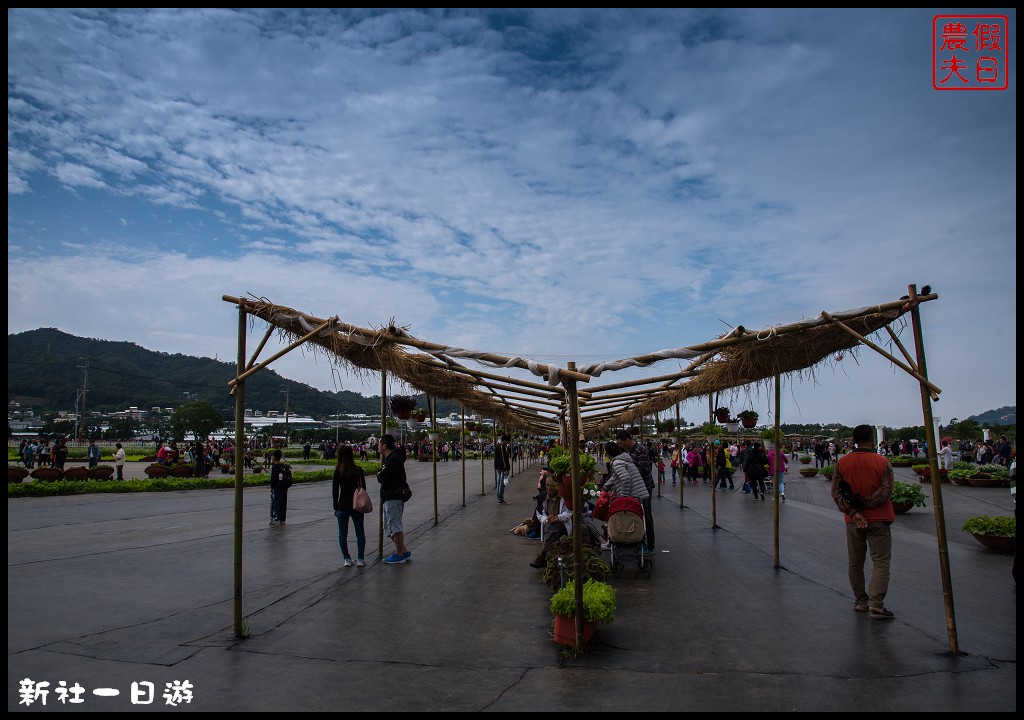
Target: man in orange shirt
(861, 486)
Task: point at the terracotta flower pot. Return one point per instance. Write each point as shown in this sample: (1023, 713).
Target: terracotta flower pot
(901, 508)
(808, 472)
(565, 630)
(749, 422)
(999, 543)
(157, 471)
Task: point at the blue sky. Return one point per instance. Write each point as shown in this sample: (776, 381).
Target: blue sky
(562, 185)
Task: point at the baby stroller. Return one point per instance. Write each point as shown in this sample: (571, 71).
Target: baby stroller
(626, 531)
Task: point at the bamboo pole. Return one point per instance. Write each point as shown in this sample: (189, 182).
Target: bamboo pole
(433, 448)
(259, 348)
(778, 475)
(259, 366)
(462, 449)
(239, 624)
(679, 465)
(712, 402)
(383, 432)
(934, 390)
(936, 479)
(577, 503)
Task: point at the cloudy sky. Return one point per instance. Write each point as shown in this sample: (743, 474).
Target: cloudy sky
(563, 185)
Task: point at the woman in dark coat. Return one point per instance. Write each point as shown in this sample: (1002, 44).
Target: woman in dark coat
(347, 477)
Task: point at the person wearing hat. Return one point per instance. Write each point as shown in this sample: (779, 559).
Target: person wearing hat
(642, 460)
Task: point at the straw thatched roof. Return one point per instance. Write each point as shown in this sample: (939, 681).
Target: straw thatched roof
(736, 359)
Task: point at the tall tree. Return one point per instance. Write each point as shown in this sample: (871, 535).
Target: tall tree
(199, 417)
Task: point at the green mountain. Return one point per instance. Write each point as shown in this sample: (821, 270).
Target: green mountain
(46, 369)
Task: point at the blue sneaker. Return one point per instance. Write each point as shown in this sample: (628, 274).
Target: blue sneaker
(394, 559)
(408, 555)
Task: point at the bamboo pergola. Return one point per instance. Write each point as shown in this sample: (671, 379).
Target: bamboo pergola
(736, 359)
(567, 401)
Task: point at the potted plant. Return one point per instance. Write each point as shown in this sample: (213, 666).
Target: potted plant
(722, 414)
(808, 471)
(156, 470)
(560, 557)
(402, 406)
(906, 496)
(710, 430)
(902, 460)
(599, 603)
(996, 533)
(49, 474)
(805, 459)
(420, 414)
(960, 477)
(76, 472)
(748, 418)
(768, 436)
(101, 472)
(16, 473)
(990, 475)
(828, 471)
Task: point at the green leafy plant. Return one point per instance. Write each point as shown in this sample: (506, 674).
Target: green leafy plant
(769, 435)
(593, 566)
(906, 493)
(561, 464)
(994, 470)
(828, 471)
(599, 601)
(962, 465)
(748, 415)
(710, 430)
(1002, 525)
(805, 459)
(961, 476)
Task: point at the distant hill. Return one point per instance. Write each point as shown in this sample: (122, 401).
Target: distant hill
(45, 371)
(1003, 416)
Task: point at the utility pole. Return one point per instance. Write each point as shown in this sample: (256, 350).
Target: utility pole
(85, 389)
(286, 391)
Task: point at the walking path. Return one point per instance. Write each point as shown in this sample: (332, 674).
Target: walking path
(106, 590)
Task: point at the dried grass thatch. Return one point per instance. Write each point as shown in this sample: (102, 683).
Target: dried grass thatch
(737, 359)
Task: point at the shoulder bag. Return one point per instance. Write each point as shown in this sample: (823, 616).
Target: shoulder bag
(361, 501)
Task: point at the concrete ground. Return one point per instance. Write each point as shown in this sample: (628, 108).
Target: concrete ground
(107, 590)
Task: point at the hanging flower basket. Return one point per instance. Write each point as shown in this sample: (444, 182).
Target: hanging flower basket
(748, 418)
(402, 406)
(722, 414)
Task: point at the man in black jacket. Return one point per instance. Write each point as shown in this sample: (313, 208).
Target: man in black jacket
(394, 491)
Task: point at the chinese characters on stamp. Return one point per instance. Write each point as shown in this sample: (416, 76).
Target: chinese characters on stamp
(970, 52)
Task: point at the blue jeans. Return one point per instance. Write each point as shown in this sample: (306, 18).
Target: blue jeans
(357, 523)
(278, 504)
(501, 485)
